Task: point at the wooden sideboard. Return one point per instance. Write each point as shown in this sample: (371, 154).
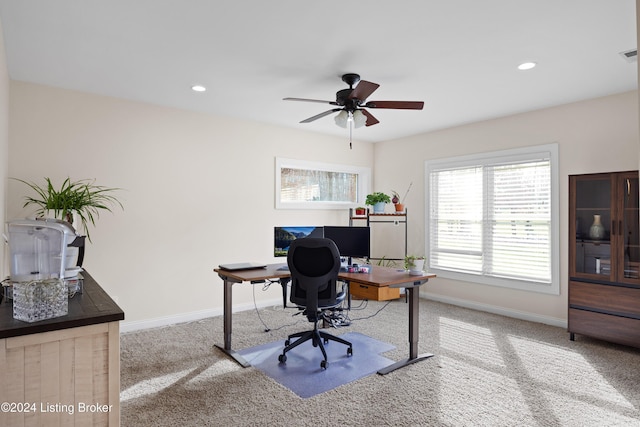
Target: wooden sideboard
(63, 371)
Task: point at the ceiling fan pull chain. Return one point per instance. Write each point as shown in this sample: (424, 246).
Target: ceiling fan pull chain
(350, 134)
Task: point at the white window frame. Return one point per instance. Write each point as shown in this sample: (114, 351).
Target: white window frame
(492, 158)
(364, 183)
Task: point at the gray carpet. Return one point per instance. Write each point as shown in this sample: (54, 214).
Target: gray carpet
(488, 370)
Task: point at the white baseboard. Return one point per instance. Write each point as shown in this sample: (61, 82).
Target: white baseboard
(157, 322)
(517, 314)
(203, 314)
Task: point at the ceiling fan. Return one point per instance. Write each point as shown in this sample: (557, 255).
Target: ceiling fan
(351, 103)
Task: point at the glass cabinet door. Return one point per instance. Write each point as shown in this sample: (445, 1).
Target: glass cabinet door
(628, 225)
(592, 214)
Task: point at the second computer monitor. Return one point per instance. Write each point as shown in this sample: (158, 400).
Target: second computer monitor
(352, 242)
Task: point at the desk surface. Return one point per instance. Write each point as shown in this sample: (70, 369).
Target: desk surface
(385, 276)
(269, 272)
(378, 276)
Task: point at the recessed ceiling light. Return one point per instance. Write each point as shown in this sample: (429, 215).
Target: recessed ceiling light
(526, 65)
(198, 88)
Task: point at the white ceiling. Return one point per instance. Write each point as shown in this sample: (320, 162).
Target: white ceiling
(458, 56)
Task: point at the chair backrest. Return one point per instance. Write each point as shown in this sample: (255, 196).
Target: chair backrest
(314, 264)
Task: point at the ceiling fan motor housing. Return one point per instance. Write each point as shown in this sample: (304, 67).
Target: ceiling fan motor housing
(342, 98)
(351, 79)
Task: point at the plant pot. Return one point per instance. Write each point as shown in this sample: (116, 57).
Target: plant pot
(417, 267)
(73, 218)
(361, 211)
(73, 257)
(379, 207)
(399, 207)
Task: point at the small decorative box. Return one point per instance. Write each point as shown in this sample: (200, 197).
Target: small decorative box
(40, 299)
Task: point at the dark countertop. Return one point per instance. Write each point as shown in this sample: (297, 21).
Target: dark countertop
(91, 307)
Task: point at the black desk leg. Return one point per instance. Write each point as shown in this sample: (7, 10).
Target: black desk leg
(283, 282)
(414, 324)
(228, 284)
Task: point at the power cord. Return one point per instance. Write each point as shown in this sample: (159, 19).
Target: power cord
(338, 317)
(255, 305)
(374, 314)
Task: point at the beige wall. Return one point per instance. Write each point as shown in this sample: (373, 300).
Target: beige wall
(4, 141)
(198, 191)
(199, 188)
(598, 135)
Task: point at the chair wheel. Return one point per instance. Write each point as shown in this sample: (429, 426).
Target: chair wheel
(282, 358)
(350, 351)
(287, 342)
(326, 341)
(323, 364)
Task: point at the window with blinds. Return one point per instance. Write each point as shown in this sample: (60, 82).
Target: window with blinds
(314, 185)
(493, 218)
(318, 186)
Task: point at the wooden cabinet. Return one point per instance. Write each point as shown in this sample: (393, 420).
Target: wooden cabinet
(67, 369)
(604, 257)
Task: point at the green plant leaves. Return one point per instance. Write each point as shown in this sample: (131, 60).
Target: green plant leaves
(82, 198)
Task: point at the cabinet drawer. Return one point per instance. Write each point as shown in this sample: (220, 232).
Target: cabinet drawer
(612, 299)
(375, 293)
(621, 330)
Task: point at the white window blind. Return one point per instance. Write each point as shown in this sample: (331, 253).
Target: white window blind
(314, 185)
(492, 218)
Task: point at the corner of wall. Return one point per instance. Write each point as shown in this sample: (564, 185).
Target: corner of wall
(4, 142)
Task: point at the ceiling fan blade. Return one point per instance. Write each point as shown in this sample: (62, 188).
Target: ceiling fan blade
(310, 100)
(319, 116)
(363, 90)
(370, 119)
(398, 105)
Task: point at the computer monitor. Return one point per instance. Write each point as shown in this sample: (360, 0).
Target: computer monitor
(352, 242)
(283, 236)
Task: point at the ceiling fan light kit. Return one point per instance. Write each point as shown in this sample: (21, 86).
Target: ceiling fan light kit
(344, 118)
(351, 102)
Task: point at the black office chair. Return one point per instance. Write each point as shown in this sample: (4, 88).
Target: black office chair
(314, 264)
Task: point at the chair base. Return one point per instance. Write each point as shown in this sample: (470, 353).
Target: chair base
(318, 338)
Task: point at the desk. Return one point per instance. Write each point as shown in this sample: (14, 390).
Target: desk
(378, 276)
(271, 272)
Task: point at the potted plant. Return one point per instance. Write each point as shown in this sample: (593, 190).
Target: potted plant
(360, 211)
(397, 202)
(415, 264)
(75, 202)
(378, 201)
